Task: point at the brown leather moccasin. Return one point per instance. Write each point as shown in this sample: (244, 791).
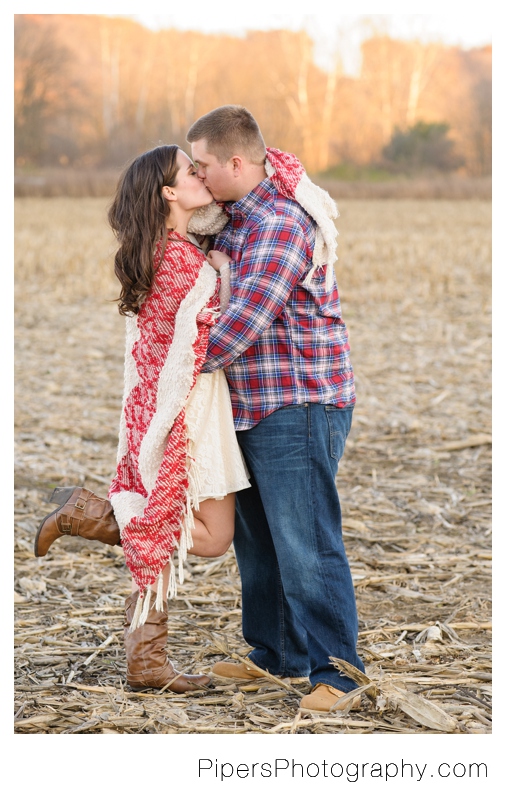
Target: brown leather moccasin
(246, 672)
(237, 672)
(324, 699)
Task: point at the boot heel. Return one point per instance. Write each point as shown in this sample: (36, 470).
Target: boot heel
(62, 495)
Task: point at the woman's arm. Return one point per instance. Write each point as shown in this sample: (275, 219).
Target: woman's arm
(220, 262)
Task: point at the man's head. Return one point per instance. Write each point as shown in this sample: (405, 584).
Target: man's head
(229, 151)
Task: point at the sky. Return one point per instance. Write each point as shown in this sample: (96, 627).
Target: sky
(330, 31)
(320, 16)
(467, 30)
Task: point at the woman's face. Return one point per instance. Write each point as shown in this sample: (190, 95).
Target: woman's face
(189, 189)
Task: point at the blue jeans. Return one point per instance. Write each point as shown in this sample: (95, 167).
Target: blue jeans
(298, 602)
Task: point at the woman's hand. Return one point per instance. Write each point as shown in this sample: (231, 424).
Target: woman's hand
(216, 259)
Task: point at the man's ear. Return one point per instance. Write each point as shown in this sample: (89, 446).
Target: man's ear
(168, 193)
(236, 165)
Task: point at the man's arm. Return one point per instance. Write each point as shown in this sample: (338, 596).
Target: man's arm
(274, 259)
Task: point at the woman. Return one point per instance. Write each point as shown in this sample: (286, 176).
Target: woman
(179, 463)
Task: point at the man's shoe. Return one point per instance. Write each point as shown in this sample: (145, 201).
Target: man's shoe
(237, 672)
(246, 672)
(323, 698)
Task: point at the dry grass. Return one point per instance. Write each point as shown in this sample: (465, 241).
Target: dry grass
(69, 182)
(414, 482)
(422, 187)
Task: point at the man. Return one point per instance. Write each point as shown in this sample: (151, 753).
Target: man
(285, 350)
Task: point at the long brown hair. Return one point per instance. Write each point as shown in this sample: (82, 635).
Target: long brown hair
(137, 216)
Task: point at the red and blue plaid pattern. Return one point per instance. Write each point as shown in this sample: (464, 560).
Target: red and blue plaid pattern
(280, 342)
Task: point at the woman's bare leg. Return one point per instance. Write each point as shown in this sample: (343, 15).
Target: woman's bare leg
(214, 527)
(212, 534)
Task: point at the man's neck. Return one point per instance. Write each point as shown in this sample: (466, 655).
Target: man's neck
(253, 175)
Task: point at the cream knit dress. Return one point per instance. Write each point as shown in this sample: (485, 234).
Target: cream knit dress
(219, 467)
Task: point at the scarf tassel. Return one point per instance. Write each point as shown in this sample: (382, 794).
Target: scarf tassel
(182, 546)
(159, 593)
(135, 623)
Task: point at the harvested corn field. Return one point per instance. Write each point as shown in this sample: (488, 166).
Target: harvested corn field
(415, 485)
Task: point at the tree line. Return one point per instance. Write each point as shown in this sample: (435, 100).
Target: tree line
(94, 91)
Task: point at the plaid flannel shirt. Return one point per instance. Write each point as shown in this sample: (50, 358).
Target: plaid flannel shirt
(280, 342)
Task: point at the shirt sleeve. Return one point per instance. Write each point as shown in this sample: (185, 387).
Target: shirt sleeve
(274, 259)
(225, 291)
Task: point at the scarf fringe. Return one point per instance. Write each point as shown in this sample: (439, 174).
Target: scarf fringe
(185, 542)
(172, 587)
(159, 593)
(145, 607)
(137, 613)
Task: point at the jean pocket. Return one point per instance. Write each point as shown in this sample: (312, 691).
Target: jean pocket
(339, 423)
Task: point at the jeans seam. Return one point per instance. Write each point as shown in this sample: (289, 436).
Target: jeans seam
(342, 438)
(281, 625)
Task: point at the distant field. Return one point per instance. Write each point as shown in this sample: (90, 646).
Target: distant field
(388, 250)
(367, 184)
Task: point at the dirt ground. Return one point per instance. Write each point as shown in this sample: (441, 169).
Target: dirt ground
(415, 486)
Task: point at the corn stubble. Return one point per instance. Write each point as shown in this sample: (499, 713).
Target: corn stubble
(415, 484)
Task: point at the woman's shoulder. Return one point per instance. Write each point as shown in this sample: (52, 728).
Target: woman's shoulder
(181, 252)
(180, 262)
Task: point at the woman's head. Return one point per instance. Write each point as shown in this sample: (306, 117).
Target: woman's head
(139, 213)
(186, 193)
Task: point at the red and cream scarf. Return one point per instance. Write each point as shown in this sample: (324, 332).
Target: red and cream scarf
(153, 489)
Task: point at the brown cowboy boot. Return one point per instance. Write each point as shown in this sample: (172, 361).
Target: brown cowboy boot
(148, 665)
(80, 513)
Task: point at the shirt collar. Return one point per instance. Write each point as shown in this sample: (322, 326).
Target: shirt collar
(261, 195)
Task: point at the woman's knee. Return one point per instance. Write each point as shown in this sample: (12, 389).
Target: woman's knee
(217, 519)
(207, 545)
(220, 549)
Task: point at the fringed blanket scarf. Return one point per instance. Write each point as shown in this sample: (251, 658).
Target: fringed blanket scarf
(154, 489)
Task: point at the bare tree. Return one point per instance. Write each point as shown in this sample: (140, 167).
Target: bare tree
(38, 83)
(424, 62)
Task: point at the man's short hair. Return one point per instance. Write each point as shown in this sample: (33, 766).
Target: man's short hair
(228, 131)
